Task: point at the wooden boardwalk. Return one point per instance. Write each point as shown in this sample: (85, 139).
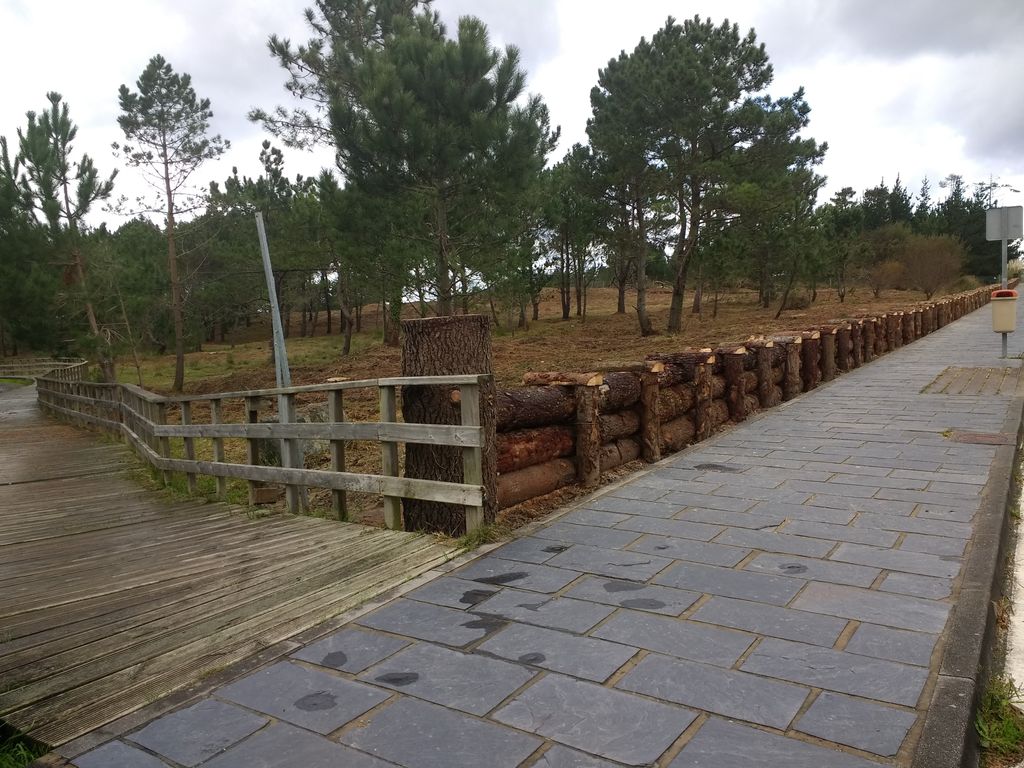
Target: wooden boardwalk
(111, 596)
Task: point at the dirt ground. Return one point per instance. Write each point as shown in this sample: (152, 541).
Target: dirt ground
(244, 363)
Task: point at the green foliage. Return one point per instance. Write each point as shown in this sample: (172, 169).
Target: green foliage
(999, 723)
(17, 751)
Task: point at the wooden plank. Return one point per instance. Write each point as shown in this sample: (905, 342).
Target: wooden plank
(336, 414)
(434, 434)
(389, 462)
(190, 447)
(291, 455)
(216, 416)
(472, 457)
(252, 411)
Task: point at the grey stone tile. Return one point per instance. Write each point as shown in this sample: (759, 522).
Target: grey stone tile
(609, 538)
(687, 549)
(285, 746)
(529, 550)
(556, 613)
(562, 757)
(675, 637)
(893, 644)
(466, 682)
(933, 545)
(919, 586)
(951, 530)
(425, 621)
(771, 620)
(593, 517)
(837, 671)
(875, 506)
(421, 735)
(199, 732)
(350, 649)
(829, 488)
(117, 754)
(682, 529)
(632, 566)
(735, 519)
(629, 594)
(811, 568)
(632, 506)
(496, 572)
(952, 515)
(721, 744)
(856, 723)
(315, 700)
(584, 657)
(822, 513)
(707, 501)
(775, 590)
(938, 500)
(725, 692)
(902, 483)
(612, 724)
(898, 560)
(775, 542)
(638, 492)
(848, 533)
(453, 593)
(748, 492)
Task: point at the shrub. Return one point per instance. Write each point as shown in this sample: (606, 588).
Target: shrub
(885, 275)
(930, 263)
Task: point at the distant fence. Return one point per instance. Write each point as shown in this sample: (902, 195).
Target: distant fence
(570, 427)
(141, 418)
(30, 367)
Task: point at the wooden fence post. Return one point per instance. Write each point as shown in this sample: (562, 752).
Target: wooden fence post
(810, 362)
(158, 415)
(252, 416)
(870, 342)
(735, 391)
(291, 452)
(336, 415)
(828, 354)
(389, 458)
(190, 446)
(472, 456)
(650, 417)
(588, 436)
(217, 417)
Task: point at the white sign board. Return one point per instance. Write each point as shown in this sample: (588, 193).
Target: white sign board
(1004, 223)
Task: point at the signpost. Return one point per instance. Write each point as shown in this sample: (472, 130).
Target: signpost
(1004, 224)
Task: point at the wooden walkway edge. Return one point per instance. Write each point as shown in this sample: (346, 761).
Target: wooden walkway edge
(111, 596)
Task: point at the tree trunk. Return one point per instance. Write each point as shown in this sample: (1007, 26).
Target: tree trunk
(444, 346)
(443, 262)
(327, 297)
(681, 254)
(620, 308)
(698, 294)
(644, 319)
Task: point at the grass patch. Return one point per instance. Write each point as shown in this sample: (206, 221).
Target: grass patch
(485, 534)
(1000, 724)
(15, 382)
(16, 750)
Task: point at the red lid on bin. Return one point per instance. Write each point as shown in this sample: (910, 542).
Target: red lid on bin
(1004, 293)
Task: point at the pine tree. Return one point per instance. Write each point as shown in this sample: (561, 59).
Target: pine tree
(63, 191)
(166, 130)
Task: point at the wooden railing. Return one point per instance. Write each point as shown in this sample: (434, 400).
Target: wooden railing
(149, 422)
(30, 367)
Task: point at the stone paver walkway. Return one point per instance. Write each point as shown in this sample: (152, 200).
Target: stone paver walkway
(775, 596)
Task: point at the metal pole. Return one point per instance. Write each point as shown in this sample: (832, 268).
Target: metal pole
(281, 370)
(1003, 284)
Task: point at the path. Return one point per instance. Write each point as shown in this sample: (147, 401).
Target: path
(780, 595)
(111, 596)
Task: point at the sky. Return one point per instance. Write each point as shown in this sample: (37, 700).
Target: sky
(915, 88)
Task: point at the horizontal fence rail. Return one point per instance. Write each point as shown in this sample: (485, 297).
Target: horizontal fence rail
(149, 423)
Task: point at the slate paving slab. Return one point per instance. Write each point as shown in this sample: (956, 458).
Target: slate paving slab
(556, 613)
(316, 700)
(813, 568)
(194, 734)
(832, 670)
(630, 594)
(426, 621)
(495, 572)
(899, 611)
(117, 754)
(684, 639)
(725, 692)
(417, 734)
(350, 649)
(775, 590)
(612, 724)
(632, 566)
(722, 744)
(584, 657)
(466, 682)
(692, 551)
(453, 592)
(771, 620)
(893, 644)
(284, 746)
(857, 723)
(595, 536)
(561, 757)
(530, 550)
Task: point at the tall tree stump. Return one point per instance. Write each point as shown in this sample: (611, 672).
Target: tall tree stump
(828, 354)
(446, 346)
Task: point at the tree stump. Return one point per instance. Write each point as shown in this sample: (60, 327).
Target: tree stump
(828, 355)
(446, 346)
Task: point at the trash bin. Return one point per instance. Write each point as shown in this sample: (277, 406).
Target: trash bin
(1004, 311)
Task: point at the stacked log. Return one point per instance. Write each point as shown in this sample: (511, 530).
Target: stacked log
(828, 350)
(810, 360)
(522, 448)
(844, 347)
(792, 381)
(856, 343)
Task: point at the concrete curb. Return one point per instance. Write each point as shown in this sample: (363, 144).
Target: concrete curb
(949, 739)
